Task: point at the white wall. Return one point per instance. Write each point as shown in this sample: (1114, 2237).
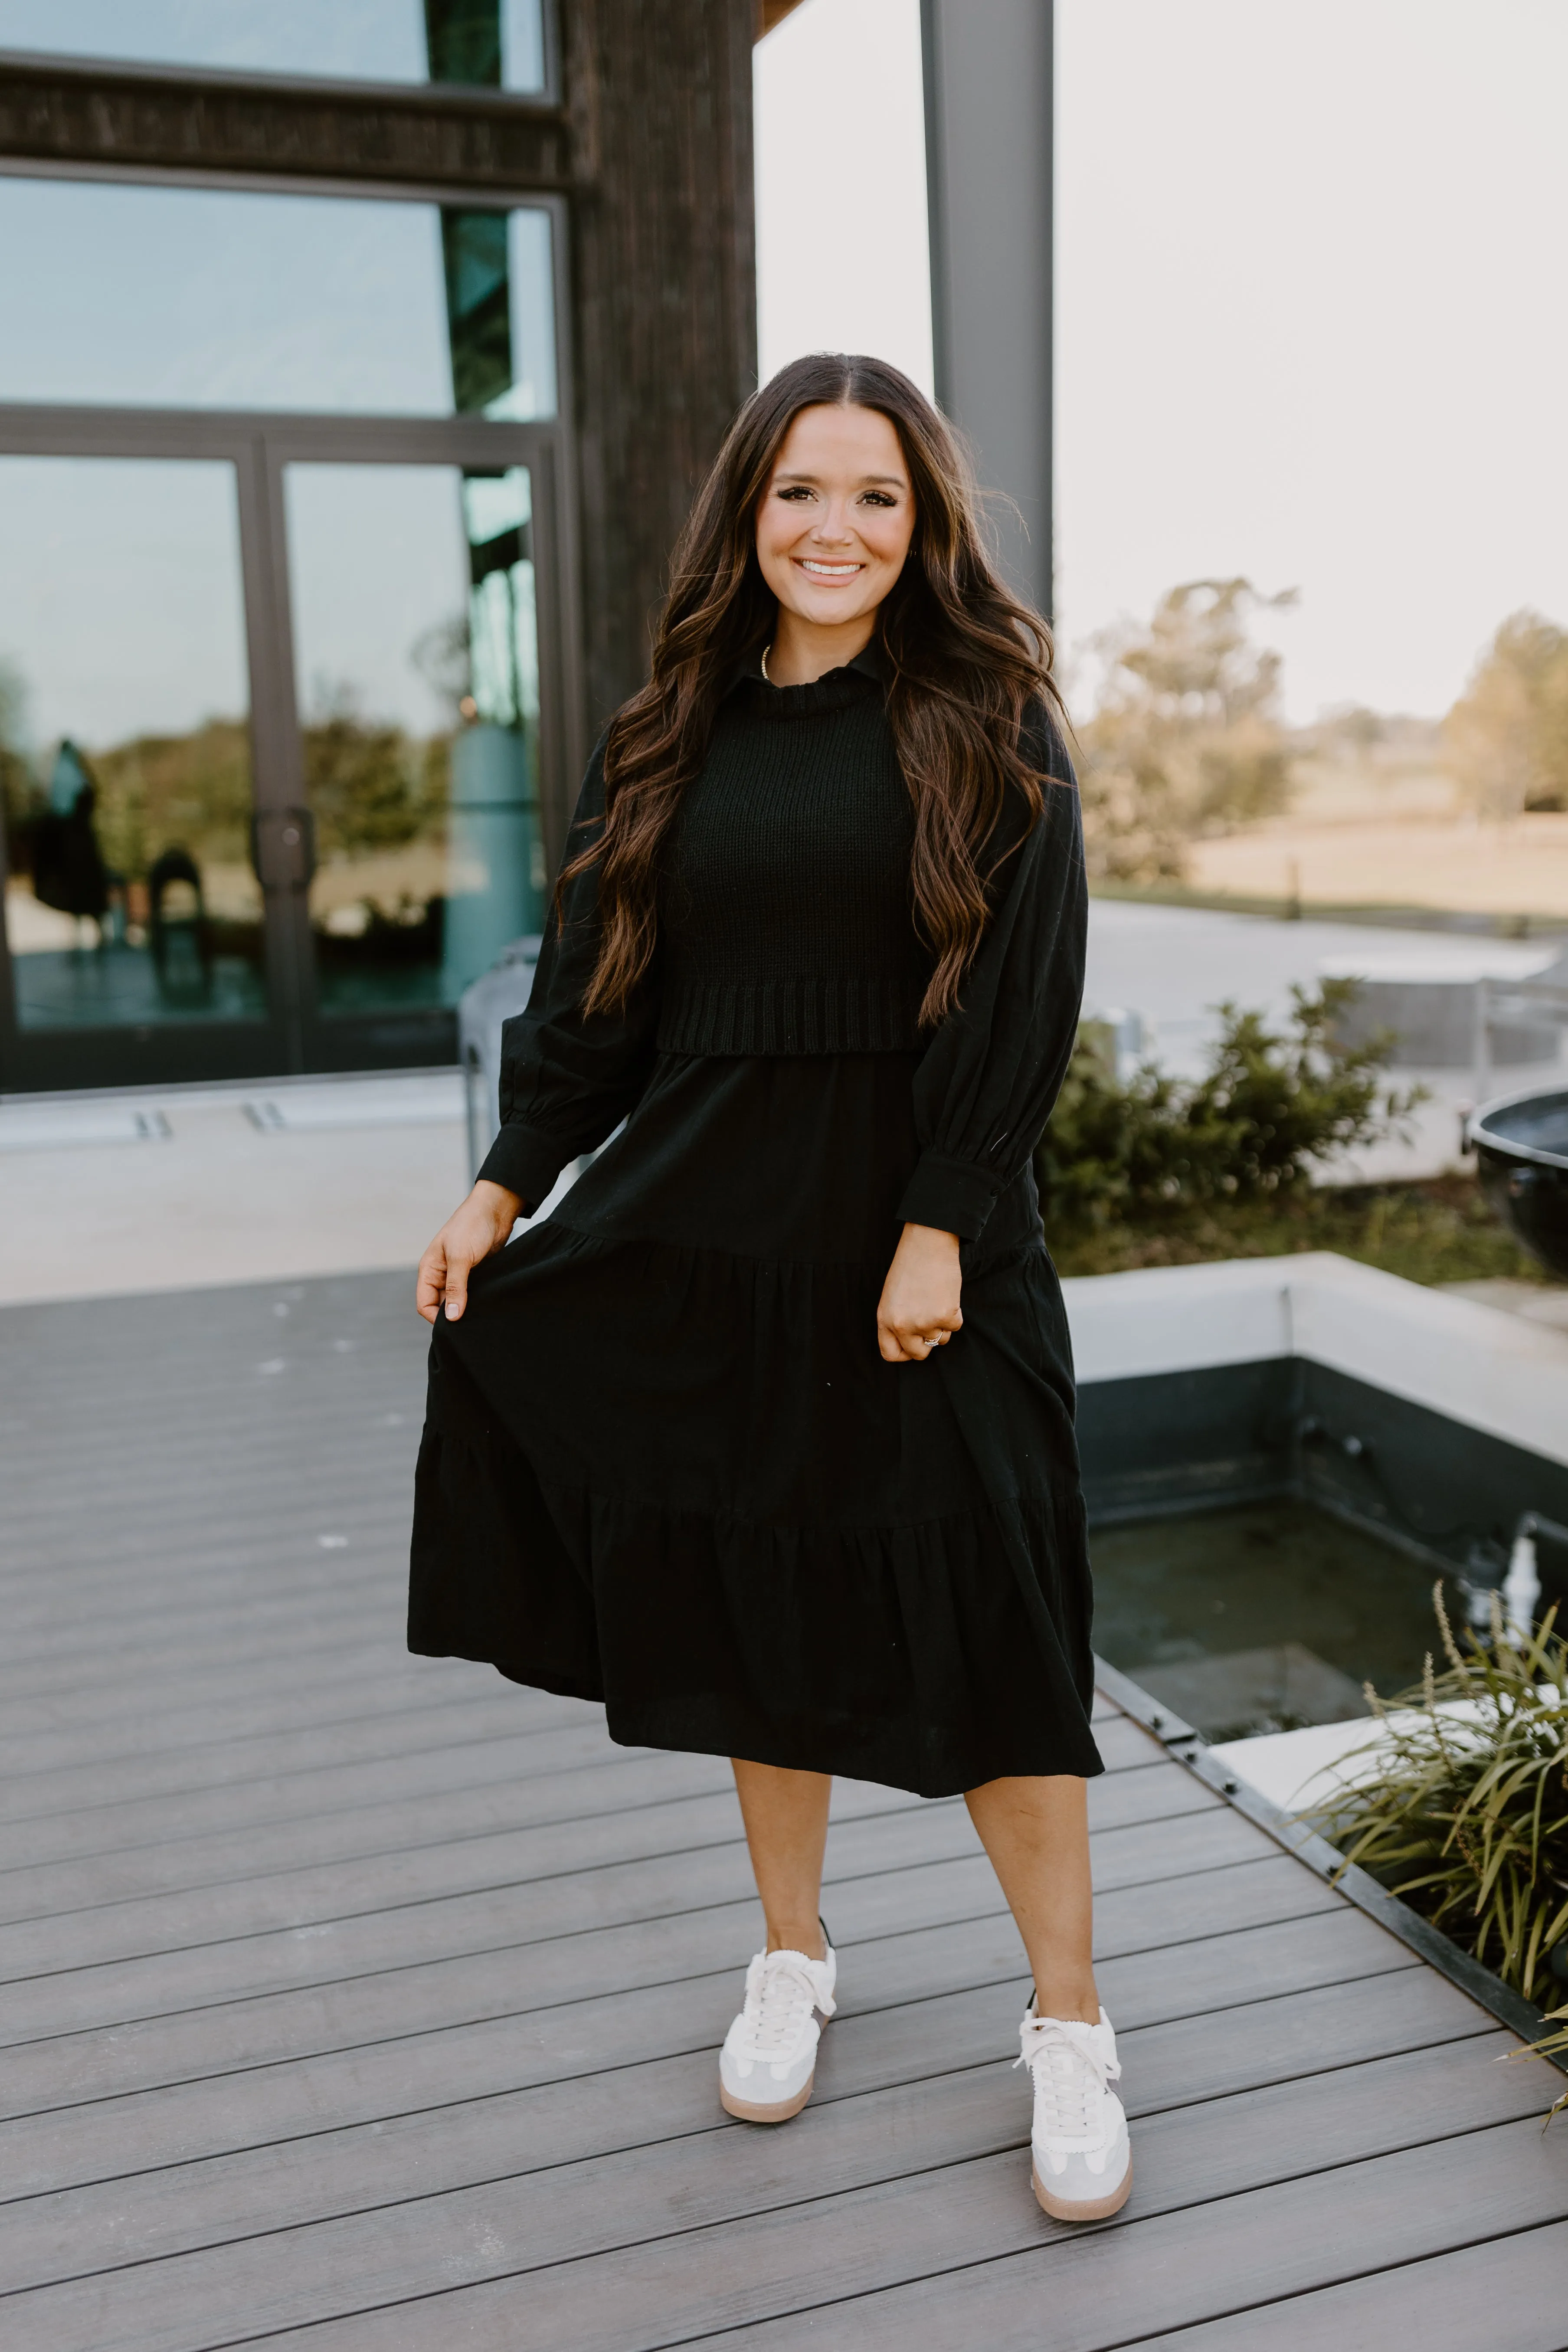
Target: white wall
(1489, 1371)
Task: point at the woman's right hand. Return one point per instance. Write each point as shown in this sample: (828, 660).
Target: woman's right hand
(476, 1231)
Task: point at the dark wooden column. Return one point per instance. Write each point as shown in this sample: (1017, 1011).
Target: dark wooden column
(663, 295)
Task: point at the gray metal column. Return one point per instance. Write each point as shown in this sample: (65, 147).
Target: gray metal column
(989, 109)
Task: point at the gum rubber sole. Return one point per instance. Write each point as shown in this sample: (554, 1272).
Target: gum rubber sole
(1076, 2208)
(774, 2112)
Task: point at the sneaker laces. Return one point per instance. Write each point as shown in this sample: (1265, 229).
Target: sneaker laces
(781, 1993)
(1069, 2072)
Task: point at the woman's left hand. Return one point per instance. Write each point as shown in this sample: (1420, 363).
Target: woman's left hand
(919, 1310)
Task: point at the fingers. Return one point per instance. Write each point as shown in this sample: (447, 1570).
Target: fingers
(906, 1344)
(456, 1295)
(431, 1282)
(444, 1272)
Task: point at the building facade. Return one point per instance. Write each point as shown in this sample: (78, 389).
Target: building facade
(357, 367)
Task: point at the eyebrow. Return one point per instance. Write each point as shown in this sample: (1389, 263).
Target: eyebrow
(867, 481)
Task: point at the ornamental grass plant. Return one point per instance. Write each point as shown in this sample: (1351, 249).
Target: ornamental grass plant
(1463, 1812)
(1465, 1815)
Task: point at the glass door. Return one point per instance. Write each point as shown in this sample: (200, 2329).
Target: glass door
(280, 700)
(135, 926)
(416, 657)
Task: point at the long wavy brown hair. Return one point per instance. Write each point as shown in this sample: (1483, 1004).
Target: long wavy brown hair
(967, 658)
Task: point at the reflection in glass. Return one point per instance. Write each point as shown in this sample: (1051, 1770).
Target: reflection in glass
(495, 44)
(217, 297)
(487, 44)
(125, 745)
(415, 650)
(499, 288)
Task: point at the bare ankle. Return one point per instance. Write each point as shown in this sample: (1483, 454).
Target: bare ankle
(787, 1936)
(1068, 1998)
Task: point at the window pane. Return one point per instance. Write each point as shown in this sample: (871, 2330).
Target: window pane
(499, 293)
(202, 298)
(125, 744)
(493, 43)
(416, 653)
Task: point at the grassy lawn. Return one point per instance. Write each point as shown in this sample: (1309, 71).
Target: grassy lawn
(1441, 1231)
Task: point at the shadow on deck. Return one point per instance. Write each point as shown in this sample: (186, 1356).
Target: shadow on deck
(358, 2002)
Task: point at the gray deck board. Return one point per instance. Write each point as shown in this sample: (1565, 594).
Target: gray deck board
(1258, 1895)
(1507, 2296)
(378, 1738)
(130, 2116)
(287, 1723)
(232, 1783)
(124, 1862)
(704, 2220)
(1253, 2248)
(354, 2001)
(659, 2101)
(113, 2134)
(313, 1894)
(591, 1959)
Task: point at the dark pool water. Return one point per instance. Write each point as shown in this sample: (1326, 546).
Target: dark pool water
(1262, 1617)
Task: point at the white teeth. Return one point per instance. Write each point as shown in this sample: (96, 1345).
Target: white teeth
(828, 571)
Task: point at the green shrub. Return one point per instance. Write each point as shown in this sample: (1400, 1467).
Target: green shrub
(1438, 1230)
(1266, 1109)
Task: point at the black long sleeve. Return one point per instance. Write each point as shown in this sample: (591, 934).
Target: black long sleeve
(987, 1082)
(567, 1079)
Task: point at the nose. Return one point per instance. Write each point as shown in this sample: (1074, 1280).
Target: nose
(835, 527)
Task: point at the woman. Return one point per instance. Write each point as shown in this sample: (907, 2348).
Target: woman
(765, 1437)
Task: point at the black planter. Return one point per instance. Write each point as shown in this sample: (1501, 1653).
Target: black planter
(1522, 1145)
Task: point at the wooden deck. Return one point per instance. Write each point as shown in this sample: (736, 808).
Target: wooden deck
(356, 2003)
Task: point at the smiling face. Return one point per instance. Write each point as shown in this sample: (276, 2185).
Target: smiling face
(835, 522)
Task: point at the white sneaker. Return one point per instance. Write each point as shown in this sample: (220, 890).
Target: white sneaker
(768, 2062)
(1082, 2163)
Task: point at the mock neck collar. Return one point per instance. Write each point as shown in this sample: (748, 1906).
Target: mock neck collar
(869, 662)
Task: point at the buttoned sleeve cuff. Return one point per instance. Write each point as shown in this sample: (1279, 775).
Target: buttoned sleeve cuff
(526, 1161)
(956, 1196)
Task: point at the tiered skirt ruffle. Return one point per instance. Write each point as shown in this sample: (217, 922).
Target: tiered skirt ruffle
(674, 1472)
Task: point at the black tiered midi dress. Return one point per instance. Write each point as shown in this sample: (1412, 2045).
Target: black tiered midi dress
(664, 1463)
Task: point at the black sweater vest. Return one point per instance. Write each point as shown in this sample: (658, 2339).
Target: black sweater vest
(786, 914)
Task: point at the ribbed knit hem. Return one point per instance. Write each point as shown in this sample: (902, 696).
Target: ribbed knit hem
(526, 1161)
(860, 1014)
(955, 1195)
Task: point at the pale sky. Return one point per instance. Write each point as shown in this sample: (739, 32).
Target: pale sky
(1310, 320)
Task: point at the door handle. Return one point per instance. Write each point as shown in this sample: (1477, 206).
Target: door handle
(283, 848)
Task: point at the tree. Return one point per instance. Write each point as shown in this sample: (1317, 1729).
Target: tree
(1506, 739)
(1186, 739)
(21, 797)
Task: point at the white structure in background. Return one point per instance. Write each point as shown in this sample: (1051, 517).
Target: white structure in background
(1478, 1005)
(1522, 1585)
(1473, 1364)
(1174, 966)
(482, 1012)
(482, 1009)
(1470, 1363)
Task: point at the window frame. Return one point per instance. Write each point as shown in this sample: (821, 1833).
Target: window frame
(170, 71)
